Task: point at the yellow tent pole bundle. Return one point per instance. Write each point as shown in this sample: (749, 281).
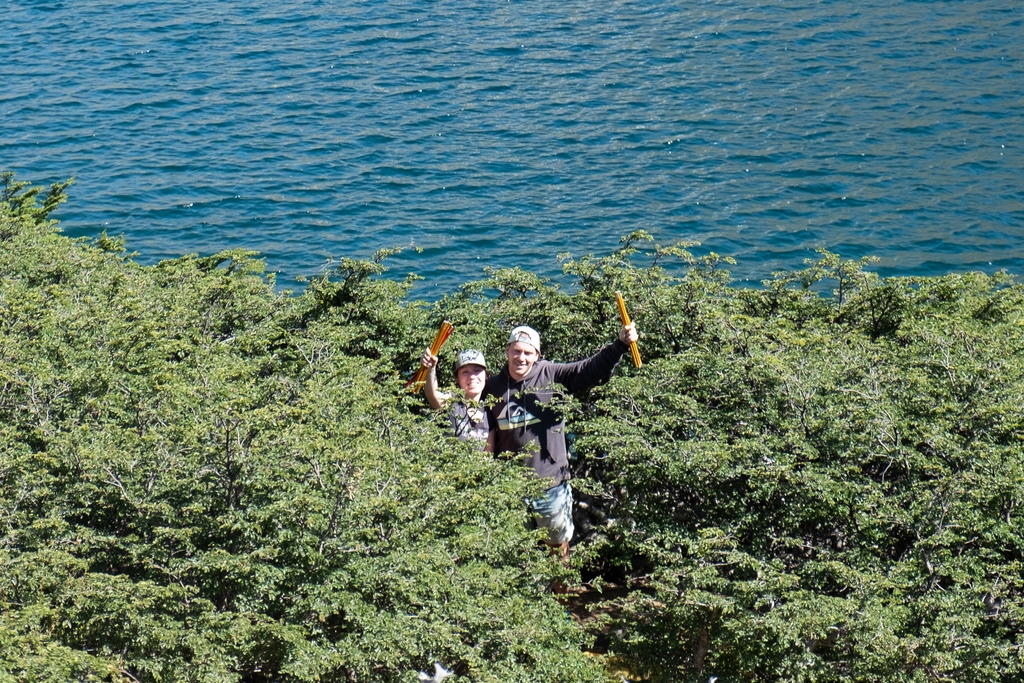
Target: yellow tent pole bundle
(439, 339)
(634, 350)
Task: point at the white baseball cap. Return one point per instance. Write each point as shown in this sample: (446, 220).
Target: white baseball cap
(527, 335)
(470, 357)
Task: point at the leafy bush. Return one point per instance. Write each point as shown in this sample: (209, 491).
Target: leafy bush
(204, 478)
(823, 488)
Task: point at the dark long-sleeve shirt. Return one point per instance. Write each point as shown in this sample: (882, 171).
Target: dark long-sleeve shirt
(523, 417)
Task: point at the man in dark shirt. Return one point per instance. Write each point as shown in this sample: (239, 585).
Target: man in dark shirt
(526, 423)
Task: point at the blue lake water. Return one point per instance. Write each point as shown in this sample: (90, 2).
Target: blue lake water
(501, 133)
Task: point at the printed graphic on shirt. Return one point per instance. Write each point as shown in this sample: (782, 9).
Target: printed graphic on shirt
(515, 416)
(468, 422)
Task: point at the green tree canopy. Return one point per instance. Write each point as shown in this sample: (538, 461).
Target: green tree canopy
(203, 477)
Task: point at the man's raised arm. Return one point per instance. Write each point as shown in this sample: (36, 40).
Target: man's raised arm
(596, 369)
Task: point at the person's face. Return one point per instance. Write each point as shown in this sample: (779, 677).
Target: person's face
(470, 379)
(521, 357)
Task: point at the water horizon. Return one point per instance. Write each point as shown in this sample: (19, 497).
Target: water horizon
(478, 135)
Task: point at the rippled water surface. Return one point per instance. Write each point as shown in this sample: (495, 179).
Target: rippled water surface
(504, 132)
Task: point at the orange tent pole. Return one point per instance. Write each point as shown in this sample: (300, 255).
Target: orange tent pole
(634, 350)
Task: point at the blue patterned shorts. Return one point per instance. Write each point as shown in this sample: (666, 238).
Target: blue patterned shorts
(553, 511)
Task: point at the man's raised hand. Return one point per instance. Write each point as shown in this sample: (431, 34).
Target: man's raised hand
(628, 334)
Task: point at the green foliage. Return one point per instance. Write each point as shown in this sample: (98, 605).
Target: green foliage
(826, 488)
(203, 478)
(19, 199)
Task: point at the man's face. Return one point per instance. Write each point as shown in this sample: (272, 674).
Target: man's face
(521, 357)
(470, 379)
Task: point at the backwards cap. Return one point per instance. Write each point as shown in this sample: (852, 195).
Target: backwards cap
(527, 335)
